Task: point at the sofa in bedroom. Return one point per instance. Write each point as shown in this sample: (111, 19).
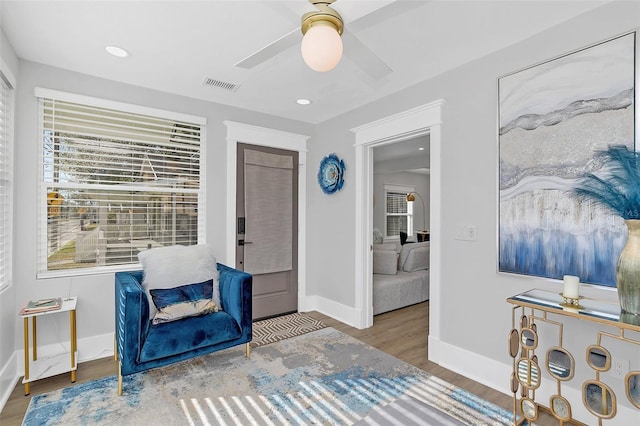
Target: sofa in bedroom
(400, 279)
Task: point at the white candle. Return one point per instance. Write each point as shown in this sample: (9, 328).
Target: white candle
(571, 284)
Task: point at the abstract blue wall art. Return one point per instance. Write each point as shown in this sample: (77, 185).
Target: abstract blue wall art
(553, 119)
(331, 174)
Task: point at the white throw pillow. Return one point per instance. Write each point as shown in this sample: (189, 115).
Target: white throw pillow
(173, 266)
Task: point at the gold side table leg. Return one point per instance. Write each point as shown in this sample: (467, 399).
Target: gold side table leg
(35, 338)
(26, 354)
(74, 343)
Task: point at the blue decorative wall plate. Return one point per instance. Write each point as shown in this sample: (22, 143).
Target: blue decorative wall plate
(331, 174)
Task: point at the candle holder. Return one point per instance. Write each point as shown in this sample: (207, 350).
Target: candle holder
(571, 302)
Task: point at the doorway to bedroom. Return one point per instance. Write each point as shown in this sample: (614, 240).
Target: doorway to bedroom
(401, 201)
(421, 120)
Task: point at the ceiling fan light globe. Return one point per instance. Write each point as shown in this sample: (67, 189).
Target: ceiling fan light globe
(321, 47)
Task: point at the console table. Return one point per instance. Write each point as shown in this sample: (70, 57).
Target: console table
(533, 307)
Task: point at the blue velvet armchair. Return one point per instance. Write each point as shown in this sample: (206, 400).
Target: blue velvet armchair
(142, 345)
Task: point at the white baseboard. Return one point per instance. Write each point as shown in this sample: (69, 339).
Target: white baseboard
(343, 313)
(89, 349)
(8, 379)
(493, 374)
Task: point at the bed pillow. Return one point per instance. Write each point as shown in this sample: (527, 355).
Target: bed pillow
(183, 301)
(174, 266)
(417, 259)
(404, 254)
(385, 262)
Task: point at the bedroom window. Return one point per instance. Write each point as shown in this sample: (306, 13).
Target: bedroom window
(399, 213)
(115, 179)
(6, 179)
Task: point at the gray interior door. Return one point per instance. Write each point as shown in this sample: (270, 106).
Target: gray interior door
(266, 226)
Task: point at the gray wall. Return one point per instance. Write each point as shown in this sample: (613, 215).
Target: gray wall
(8, 309)
(7, 53)
(474, 317)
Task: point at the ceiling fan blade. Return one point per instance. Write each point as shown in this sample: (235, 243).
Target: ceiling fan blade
(364, 57)
(280, 45)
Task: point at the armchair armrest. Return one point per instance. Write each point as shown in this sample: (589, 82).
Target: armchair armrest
(132, 317)
(236, 296)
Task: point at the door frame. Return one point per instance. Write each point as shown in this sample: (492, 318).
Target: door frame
(421, 120)
(263, 136)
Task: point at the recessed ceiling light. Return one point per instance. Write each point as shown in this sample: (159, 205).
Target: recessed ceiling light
(303, 102)
(117, 51)
(421, 148)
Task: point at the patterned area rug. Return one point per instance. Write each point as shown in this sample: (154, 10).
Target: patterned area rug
(321, 377)
(283, 327)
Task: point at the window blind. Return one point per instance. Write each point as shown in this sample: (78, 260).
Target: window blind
(6, 182)
(115, 182)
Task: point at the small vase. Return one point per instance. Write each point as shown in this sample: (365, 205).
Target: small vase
(628, 271)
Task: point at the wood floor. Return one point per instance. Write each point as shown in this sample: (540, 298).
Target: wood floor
(401, 333)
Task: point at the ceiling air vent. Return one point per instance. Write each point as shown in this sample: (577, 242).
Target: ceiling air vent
(232, 87)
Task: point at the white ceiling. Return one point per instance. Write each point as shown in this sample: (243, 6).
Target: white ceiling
(410, 155)
(410, 147)
(175, 45)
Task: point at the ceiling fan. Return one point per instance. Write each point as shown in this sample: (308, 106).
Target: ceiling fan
(357, 51)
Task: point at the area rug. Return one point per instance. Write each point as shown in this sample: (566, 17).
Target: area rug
(321, 377)
(283, 327)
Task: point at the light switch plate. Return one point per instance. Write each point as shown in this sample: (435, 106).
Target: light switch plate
(467, 232)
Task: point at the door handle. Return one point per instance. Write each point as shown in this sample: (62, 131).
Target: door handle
(244, 243)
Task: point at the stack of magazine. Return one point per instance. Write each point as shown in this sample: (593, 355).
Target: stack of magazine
(42, 305)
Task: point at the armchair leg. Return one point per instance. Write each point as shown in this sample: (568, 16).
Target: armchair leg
(248, 350)
(119, 380)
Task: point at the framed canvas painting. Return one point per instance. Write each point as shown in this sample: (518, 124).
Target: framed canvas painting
(553, 118)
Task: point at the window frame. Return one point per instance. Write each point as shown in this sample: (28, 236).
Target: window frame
(42, 235)
(398, 189)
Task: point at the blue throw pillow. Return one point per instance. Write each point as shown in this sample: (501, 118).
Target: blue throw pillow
(183, 301)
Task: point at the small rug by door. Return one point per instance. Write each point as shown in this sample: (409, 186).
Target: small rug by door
(321, 377)
(283, 327)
